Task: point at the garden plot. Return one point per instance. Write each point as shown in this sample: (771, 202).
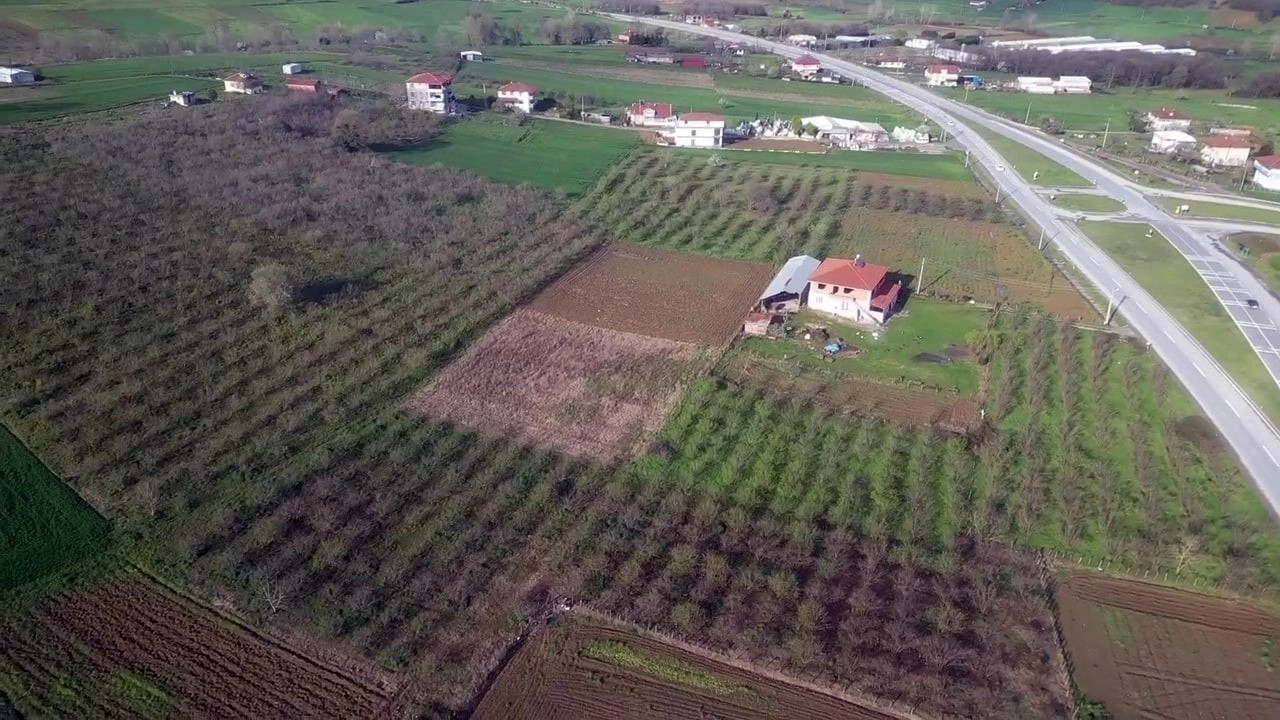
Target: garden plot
(657, 292)
(550, 382)
(1149, 651)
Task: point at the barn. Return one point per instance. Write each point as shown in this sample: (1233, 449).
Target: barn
(787, 291)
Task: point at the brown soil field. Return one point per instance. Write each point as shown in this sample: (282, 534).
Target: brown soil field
(180, 660)
(957, 188)
(1228, 18)
(555, 677)
(551, 382)
(1150, 651)
(657, 292)
(898, 404)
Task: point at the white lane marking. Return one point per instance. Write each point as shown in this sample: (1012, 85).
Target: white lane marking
(1268, 452)
(1233, 407)
(1197, 367)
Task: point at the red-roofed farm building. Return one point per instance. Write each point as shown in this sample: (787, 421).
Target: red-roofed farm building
(854, 290)
(650, 114)
(430, 91)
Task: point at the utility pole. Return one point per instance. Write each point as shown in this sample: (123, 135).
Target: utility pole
(1040, 244)
(966, 92)
(1105, 132)
(1027, 119)
(1111, 305)
(920, 277)
(966, 158)
(1244, 175)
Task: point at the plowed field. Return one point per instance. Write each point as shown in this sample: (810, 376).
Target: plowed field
(658, 292)
(549, 382)
(1148, 651)
(565, 673)
(130, 649)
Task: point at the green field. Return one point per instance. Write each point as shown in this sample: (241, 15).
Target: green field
(924, 326)
(1028, 162)
(945, 166)
(1088, 203)
(1262, 251)
(44, 525)
(103, 84)
(605, 92)
(1171, 280)
(1090, 113)
(1226, 211)
(565, 156)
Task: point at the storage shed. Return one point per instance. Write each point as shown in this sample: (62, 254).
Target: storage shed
(291, 68)
(16, 76)
(787, 291)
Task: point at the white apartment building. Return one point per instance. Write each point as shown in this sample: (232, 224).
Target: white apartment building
(698, 130)
(518, 96)
(431, 91)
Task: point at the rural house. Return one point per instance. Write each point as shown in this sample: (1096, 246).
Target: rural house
(647, 114)
(942, 75)
(1073, 85)
(185, 98)
(789, 289)
(806, 66)
(699, 130)
(291, 69)
(1171, 142)
(854, 289)
(431, 91)
(1167, 119)
(242, 83)
(16, 76)
(471, 56)
(1034, 85)
(1266, 172)
(301, 84)
(518, 96)
(1226, 151)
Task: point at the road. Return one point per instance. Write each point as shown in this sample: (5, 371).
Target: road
(1251, 436)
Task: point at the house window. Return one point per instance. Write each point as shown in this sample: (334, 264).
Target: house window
(822, 286)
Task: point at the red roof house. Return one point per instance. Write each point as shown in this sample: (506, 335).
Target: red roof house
(431, 78)
(806, 65)
(1165, 113)
(647, 114)
(854, 289)
(518, 96)
(700, 117)
(1270, 162)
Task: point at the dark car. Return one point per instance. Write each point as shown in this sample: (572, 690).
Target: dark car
(1251, 303)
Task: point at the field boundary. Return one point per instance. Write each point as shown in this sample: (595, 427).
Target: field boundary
(233, 620)
(746, 665)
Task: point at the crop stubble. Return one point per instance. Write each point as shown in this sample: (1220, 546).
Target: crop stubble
(550, 382)
(658, 292)
(205, 667)
(553, 678)
(1150, 651)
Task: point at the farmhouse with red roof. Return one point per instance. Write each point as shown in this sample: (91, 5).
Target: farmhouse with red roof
(244, 83)
(698, 129)
(806, 66)
(1167, 119)
(854, 290)
(518, 96)
(650, 114)
(430, 91)
(1266, 172)
(1226, 150)
(942, 75)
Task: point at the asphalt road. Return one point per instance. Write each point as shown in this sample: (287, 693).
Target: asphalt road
(1252, 437)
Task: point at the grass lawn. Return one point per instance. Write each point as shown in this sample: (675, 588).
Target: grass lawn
(175, 65)
(1261, 251)
(1171, 280)
(73, 98)
(548, 153)
(948, 166)
(1088, 203)
(1028, 162)
(925, 326)
(1225, 211)
(44, 525)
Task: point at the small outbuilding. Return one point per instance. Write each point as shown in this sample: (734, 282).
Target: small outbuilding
(291, 68)
(471, 56)
(789, 289)
(185, 98)
(301, 84)
(16, 76)
(757, 323)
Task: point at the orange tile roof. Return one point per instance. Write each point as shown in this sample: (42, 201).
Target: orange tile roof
(432, 78)
(845, 273)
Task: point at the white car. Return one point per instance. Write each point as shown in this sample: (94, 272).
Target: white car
(1000, 168)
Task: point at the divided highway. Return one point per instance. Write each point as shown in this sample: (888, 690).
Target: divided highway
(1252, 437)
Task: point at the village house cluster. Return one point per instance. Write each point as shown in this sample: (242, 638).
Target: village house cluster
(1223, 147)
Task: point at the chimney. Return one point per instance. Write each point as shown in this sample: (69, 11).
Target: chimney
(858, 261)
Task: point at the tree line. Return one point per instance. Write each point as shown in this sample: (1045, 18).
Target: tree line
(1129, 69)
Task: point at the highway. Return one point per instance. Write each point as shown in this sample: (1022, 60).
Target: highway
(1251, 436)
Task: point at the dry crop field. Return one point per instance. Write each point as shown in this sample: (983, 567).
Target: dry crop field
(770, 212)
(578, 668)
(554, 383)
(658, 292)
(129, 649)
(1150, 651)
(898, 404)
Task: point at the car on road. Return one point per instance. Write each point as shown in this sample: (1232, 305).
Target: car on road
(1251, 303)
(1000, 168)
